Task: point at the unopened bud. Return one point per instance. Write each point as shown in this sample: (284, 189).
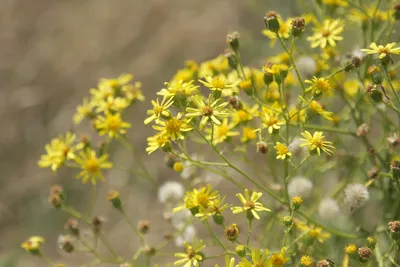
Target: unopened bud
(356, 61)
(231, 232)
(235, 102)
(65, 242)
(271, 21)
(371, 242)
(241, 250)
(113, 196)
(296, 202)
(144, 226)
(72, 225)
(364, 253)
(262, 147)
(375, 94)
(232, 60)
(218, 218)
(376, 74)
(233, 40)
(287, 221)
(298, 26)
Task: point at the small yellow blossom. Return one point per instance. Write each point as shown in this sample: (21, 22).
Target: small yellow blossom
(193, 255)
(32, 244)
(174, 128)
(199, 200)
(257, 259)
(213, 111)
(271, 121)
(214, 66)
(117, 83)
(91, 166)
(282, 150)
(132, 92)
(316, 141)
(306, 261)
(278, 259)
(216, 83)
(111, 104)
(159, 109)
(317, 107)
(178, 166)
(327, 34)
(179, 89)
(84, 111)
(249, 133)
(155, 142)
(222, 132)
(318, 234)
(350, 249)
(319, 86)
(111, 124)
(382, 51)
(250, 204)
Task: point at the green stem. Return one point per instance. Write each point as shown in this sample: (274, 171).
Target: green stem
(391, 84)
(214, 235)
(250, 223)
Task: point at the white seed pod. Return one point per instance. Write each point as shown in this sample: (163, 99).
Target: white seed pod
(300, 186)
(328, 209)
(171, 191)
(356, 195)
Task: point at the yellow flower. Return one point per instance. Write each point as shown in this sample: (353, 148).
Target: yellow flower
(111, 103)
(117, 83)
(214, 66)
(179, 89)
(32, 244)
(271, 121)
(351, 87)
(83, 111)
(327, 34)
(132, 92)
(199, 200)
(222, 132)
(58, 150)
(319, 86)
(249, 133)
(360, 16)
(173, 128)
(335, 2)
(250, 204)
(316, 141)
(111, 124)
(229, 262)
(306, 261)
(383, 51)
(216, 83)
(350, 249)
(193, 255)
(319, 235)
(215, 206)
(213, 111)
(317, 107)
(159, 109)
(155, 142)
(245, 114)
(91, 166)
(257, 259)
(282, 150)
(278, 259)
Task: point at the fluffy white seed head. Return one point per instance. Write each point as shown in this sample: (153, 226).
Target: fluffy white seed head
(300, 186)
(187, 235)
(328, 209)
(171, 191)
(307, 66)
(179, 219)
(355, 195)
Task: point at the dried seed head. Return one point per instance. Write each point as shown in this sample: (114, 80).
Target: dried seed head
(97, 223)
(233, 40)
(235, 102)
(271, 21)
(298, 26)
(364, 253)
(65, 242)
(144, 226)
(170, 159)
(72, 225)
(356, 61)
(394, 226)
(373, 173)
(323, 263)
(395, 168)
(231, 232)
(362, 130)
(262, 147)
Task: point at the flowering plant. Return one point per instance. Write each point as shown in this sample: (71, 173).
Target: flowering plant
(279, 132)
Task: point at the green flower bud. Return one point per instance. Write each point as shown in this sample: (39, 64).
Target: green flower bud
(233, 40)
(271, 21)
(241, 250)
(231, 232)
(218, 219)
(371, 242)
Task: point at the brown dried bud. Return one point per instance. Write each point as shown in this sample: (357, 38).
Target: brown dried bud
(149, 250)
(66, 243)
(232, 60)
(97, 223)
(356, 61)
(262, 147)
(323, 263)
(144, 226)
(396, 8)
(364, 253)
(394, 226)
(233, 40)
(373, 173)
(231, 232)
(271, 21)
(298, 26)
(395, 168)
(394, 140)
(170, 160)
(362, 130)
(72, 225)
(235, 102)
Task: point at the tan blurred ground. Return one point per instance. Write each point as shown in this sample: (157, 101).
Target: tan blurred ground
(51, 52)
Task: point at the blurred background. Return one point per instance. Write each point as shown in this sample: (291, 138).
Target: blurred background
(52, 52)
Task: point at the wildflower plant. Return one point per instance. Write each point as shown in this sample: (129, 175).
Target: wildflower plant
(310, 149)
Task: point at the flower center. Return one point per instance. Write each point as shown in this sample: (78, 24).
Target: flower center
(218, 83)
(326, 33)
(173, 126)
(113, 123)
(92, 165)
(250, 204)
(207, 111)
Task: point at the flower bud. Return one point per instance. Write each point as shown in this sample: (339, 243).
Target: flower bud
(240, 250)
(364, 253)
(395, 169)
(235, 102)
(326, 263)
(247, 87)
(375, 94)
(231, 232)
(396, 8)
(271, 21)
(72, 225)
(65, 242)
(113, 196)
(218, 218)
(298, 26)
(56, 197)
(144, 226)
(97, 224)
(150, 251)
(287, 221)
(394, 230)
(348, 65)
(305, 261)
(351, 250)
(356, 61)
(262, 147)
(376, 74)
(233, 40)
(178, 167)
(232, 60)
(371, 242)
(296, 202)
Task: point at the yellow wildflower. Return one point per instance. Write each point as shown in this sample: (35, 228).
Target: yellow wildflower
(117, 83)
(283, 31)
(319, 235)
(245, 114)
(282, 150)
(278, 259)
(156, 142)
(84, 111)
(350, 249)
(111, 103)
(319, 86)
(159, 109)
(250, 204)
(306, 261)
(111, 124)
(216, 83)
(248, 134)
(222, 132)
(316, 141)
(213, 111)
(199, 200)
(179, 89)
(132, 92)
(32, 244)
(91, 166)
(193, 255)
(382, 51)
(257, 259)
(317, 107)
(327, 34)
(214, 66)
(351, 87)
(173, 128)
(215, 206)
(271, 121)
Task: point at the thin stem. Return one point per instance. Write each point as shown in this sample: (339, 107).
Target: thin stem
(250, 223)
(214, 235)
(92, 201)
(391, 84)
